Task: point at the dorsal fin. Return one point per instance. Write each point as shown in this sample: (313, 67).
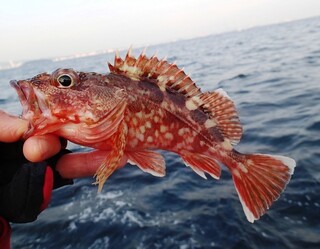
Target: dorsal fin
(222, 111)
(218, 105)
(166, 75)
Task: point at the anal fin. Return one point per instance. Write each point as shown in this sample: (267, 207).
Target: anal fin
(148, 161)
(202, 164)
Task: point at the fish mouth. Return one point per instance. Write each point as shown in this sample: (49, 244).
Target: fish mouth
(26, 96)
(32, 101)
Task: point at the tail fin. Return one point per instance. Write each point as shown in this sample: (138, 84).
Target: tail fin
(259, 180)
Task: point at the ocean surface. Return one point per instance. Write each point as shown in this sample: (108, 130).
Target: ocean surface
(273, 75)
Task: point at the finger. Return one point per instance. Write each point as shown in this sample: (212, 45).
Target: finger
(76, 165)
(11, 128)
(39, 148)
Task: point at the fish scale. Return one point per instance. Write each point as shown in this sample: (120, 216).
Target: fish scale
(145, 104)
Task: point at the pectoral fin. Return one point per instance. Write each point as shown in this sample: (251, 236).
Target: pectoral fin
(111, 163)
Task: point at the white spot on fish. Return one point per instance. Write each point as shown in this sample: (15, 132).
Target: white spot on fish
(162, 88)
(149, 139)
(168, 136)
(164, 105)
(181, 131)
(140, 137)
(139, 114)
(142, 129)
(156, 119)
(193, 103)
(134, 142)
(202, 143)
(134, 121)
(163, 128)
(226, 144)
(210, 123)
(162, 84)
(148, 124)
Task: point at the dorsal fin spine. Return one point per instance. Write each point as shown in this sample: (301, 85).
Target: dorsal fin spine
(176, 80)
(157, 68)
(117, 60)
(117, 54)
(128, 55)
(141, 62)
(184, 84)
(161, 64)
(149, 65)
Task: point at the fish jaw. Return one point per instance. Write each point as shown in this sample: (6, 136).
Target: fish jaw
(33, 103)
(35, 108)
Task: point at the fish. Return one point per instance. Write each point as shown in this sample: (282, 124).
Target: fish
(143, 105)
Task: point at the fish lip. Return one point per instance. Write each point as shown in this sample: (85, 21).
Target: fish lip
(24, 94)
(18, 89)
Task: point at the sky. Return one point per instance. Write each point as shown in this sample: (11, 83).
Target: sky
(37, 29)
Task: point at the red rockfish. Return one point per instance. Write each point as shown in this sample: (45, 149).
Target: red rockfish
(145, 104)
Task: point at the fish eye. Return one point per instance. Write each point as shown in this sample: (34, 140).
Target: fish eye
(65, 81)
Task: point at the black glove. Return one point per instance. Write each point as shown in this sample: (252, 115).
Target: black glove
(25, 188)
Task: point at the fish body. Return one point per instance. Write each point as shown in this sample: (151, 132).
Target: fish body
(145, 104)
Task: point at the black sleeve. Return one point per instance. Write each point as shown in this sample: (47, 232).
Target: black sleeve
(24, 185)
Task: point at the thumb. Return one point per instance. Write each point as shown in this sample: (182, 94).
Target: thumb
(12, 127)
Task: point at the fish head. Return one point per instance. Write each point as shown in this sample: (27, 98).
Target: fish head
(51, 101)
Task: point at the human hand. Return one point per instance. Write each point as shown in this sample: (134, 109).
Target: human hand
(25, 185)
(35, 149)
(27, 171)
